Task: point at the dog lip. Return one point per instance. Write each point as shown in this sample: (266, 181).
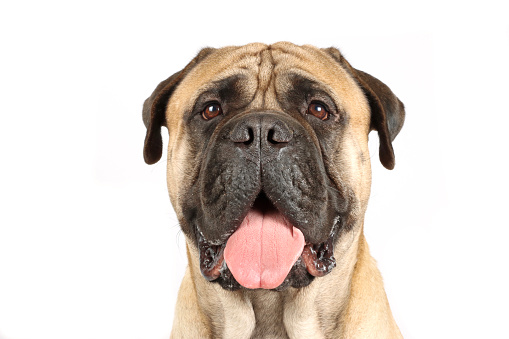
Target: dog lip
(317, 258)
(211, 258)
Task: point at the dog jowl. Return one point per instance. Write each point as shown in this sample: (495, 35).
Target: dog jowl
(268, 163)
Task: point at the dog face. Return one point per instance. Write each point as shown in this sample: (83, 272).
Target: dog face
(268, 161)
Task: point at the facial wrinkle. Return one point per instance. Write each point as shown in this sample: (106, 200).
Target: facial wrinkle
(265, 92)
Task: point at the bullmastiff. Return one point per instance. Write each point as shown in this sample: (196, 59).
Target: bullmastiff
(269, 174)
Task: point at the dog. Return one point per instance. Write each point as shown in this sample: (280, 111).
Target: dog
(269, 174)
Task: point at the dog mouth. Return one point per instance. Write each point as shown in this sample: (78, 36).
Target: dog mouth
(265, 250)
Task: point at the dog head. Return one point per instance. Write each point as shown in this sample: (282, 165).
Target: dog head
(268, 161)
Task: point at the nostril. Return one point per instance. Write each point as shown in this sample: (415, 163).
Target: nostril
(279, 134)
(242, 134)
(250, 137)
(270, 138)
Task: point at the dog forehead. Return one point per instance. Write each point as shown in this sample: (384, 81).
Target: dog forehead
(223, 63)
(318, 65)
(258, 63)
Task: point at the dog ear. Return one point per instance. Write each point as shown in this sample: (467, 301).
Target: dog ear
(387, 112)
(154, 109)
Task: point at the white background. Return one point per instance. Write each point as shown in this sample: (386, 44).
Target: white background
(89, 244)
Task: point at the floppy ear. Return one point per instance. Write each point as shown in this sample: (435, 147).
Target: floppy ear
(387, 112)
(154, 109)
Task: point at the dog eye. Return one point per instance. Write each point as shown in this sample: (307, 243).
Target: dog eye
(319, 110)
(211, 111)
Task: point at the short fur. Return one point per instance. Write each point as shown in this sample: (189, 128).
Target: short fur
(350, 301)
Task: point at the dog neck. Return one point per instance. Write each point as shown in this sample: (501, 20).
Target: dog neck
(350, 302)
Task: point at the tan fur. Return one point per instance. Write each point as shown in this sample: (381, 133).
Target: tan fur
(368, 314)
(350, 302)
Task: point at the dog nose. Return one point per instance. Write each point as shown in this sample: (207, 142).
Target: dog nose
(261, 135)
(264, 130)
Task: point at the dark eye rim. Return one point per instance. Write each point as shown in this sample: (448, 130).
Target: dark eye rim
(206, 106)
(325, 107)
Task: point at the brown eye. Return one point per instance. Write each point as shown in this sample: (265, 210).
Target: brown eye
(318, 110)
(211, 111)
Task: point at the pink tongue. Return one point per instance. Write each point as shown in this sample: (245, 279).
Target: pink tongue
(262, 251)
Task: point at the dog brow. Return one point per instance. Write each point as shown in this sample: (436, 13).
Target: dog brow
(229, 90)
(301, 89)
